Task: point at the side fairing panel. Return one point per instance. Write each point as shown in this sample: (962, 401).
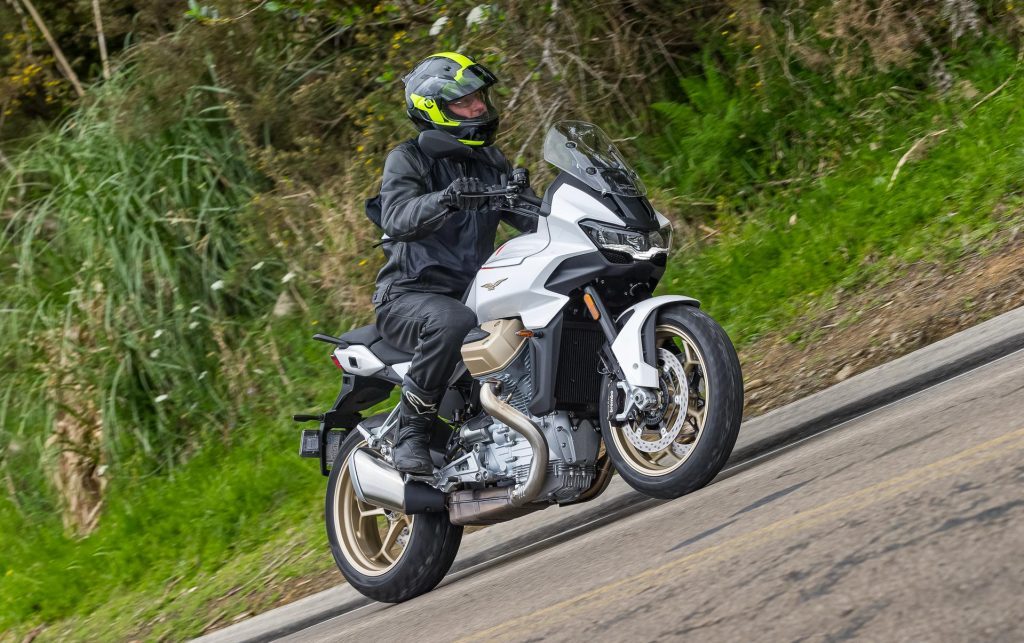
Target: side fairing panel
(513, 251)
(515, 288)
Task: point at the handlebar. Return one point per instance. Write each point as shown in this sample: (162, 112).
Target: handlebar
(509, 191)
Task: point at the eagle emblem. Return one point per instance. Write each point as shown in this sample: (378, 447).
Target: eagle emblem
(492, 286)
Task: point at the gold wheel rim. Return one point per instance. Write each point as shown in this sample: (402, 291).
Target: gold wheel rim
(372, 539)
(673, 456)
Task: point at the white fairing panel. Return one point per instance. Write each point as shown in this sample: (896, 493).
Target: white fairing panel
(401, 369)
(513, 251)
(358, 360)
(628, 346)
(511, 282)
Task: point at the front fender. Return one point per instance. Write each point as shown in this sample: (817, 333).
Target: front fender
(628, 346)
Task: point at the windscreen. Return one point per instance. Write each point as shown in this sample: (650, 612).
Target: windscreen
(584, 151)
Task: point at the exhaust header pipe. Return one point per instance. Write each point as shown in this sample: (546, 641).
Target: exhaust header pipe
(500, 409)
(378, 483)
(493, 505)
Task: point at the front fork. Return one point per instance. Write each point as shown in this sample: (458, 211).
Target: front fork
(636, 398)
(629, 350)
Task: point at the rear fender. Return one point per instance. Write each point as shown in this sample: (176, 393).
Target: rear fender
(637, 360)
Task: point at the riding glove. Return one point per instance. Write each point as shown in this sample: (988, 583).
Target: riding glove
(455, 194)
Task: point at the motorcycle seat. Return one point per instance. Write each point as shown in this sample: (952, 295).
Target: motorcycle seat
(364, 335)
(370, 337)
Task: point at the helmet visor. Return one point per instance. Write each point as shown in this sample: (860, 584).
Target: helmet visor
(476, 105)
(467, 80)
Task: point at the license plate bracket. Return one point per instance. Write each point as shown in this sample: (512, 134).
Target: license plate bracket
(309, 445)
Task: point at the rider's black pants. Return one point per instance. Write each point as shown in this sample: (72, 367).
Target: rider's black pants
(432, 327)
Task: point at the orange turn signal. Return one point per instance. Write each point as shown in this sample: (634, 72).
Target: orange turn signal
(591, 306)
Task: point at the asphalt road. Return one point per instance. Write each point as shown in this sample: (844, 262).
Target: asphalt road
(904, 524)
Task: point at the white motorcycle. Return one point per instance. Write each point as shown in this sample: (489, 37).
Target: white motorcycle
(575, 370)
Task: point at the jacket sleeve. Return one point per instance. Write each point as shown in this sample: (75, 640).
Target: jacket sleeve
(408, 210)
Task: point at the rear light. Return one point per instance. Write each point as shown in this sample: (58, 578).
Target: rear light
(337, 362)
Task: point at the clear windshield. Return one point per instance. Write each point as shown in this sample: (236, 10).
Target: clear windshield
(584, 151)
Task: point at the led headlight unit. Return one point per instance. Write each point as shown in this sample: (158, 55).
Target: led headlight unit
(641, 246)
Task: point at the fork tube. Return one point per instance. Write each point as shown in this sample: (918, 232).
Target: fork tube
(604, 319)
(608, 327)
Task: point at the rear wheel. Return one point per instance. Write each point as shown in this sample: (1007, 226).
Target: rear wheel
(680, 444)
(388, 556)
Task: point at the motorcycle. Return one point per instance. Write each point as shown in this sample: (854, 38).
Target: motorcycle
(575, 371)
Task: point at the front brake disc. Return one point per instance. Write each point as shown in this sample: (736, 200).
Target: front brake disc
(677, 396)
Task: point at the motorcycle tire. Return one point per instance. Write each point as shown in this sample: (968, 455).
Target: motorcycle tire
(696, 341)
(360, 543)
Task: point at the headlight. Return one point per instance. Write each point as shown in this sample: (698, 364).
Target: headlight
(639, 245)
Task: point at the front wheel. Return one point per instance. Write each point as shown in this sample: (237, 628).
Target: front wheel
(680, 444)
(388, 556)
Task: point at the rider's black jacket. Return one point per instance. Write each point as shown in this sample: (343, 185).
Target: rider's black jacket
(430, 246)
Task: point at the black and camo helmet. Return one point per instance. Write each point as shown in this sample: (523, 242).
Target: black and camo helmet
(444, 77)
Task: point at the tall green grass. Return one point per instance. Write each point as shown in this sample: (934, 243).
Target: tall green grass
(223, 503)
(228, 499)
(804, 201)
(123, 265)
(129, 283)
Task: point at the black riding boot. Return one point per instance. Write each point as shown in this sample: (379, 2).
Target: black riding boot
(416, 421)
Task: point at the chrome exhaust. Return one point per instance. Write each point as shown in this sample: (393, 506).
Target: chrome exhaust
(377, 483)
(496, 407)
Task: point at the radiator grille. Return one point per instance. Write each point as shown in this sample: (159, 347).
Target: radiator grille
(578, 383)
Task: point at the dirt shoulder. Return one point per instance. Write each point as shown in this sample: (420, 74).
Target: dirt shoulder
(920, 306)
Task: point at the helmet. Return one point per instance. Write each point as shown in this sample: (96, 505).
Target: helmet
(444, 77)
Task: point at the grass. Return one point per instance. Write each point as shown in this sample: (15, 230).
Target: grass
(113, 252)
(229, 501)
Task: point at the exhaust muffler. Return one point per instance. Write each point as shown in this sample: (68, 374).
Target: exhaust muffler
(378, 483)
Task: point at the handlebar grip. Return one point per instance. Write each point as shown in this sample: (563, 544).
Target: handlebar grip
(532, 200)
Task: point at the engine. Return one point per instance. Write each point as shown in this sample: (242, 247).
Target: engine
(498, 454)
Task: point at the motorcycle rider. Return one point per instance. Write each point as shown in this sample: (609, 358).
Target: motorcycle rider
(437, 237)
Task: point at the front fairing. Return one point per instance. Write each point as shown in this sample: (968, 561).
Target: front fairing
(533, 275)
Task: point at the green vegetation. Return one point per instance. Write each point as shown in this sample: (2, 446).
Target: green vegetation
(793, 232)
(150, 234)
